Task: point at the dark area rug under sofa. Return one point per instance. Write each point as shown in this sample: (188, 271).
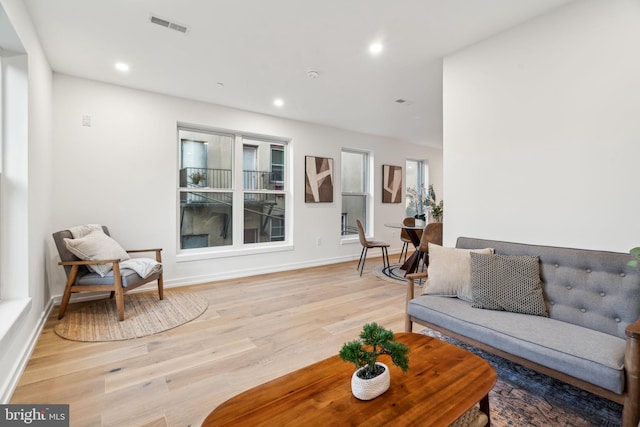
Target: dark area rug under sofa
(523, 397)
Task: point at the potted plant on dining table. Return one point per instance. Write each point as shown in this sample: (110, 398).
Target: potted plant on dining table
(425, 203)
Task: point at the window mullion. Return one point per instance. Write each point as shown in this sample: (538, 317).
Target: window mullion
(238, 193)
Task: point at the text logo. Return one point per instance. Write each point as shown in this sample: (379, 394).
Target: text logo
(34, 415)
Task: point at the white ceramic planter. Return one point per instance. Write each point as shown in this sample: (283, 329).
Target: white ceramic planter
(420, 223)
(370, 389)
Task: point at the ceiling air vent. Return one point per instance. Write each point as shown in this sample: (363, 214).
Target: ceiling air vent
(169, 24)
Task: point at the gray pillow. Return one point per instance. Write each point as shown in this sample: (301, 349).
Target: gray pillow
(508, 283)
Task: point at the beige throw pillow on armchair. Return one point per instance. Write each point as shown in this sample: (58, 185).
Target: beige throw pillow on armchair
(97, 246)
(449, 272)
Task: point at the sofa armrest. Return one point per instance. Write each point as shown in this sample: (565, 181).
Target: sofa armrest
(410, 285)
(412, 277)
(631, 412)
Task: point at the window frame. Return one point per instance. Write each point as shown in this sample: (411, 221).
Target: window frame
(423, 178)
(367, 193)
(237, 191)
(275, 147)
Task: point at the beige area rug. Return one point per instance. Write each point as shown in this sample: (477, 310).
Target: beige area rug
(145, 315)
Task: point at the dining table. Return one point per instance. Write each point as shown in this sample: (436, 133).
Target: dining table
(411, 263)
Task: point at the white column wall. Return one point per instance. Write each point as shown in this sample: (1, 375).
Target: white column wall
(541, 131)
(29, 193)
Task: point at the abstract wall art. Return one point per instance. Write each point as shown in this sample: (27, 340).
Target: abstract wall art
(391, 184)
(318, 177)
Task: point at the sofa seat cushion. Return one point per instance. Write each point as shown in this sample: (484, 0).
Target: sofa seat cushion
(583, 353)
(129, 278)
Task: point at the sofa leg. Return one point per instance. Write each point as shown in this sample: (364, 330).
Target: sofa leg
(408, 324)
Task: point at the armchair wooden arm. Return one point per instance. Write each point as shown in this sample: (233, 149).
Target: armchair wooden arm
(130, 251)
(88, 262)
(156, 250)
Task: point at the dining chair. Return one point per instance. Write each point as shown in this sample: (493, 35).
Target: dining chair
(432, 233)
(406, 239)
(366, 244)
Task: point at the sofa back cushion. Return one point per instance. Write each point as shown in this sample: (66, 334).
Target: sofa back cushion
(594, 289)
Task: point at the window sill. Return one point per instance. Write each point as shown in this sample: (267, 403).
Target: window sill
(11, 313)
(350, 240)
(202, 254)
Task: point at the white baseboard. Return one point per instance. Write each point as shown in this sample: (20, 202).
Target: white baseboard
(225, 275)
(25, 353)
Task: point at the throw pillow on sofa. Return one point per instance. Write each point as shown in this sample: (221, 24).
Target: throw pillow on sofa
(508, 283)
(449, 272)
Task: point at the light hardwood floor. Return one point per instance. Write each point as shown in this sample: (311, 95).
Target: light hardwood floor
(255, 329)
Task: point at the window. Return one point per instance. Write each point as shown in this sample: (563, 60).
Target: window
(416, 173)
(15, 302)
(226, 205)
(277, 228)
(355, 191)
(277, 165)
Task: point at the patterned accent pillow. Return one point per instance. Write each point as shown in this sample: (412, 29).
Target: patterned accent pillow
(508, 283)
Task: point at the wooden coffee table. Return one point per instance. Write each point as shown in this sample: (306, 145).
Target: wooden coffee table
(442, 383)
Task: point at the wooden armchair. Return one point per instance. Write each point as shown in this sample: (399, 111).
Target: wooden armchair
(117, 281)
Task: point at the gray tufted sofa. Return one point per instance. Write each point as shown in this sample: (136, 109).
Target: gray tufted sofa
(591, 338)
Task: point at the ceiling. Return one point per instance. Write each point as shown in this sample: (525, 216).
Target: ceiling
(246, 53)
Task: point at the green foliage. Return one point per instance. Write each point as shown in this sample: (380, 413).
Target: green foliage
(374, 341)
(437, 209)
(635, 252)
(196, 177)
(429, 203)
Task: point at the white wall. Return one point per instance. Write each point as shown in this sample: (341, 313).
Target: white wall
(541, 131)
(121, 172)
(28, 185)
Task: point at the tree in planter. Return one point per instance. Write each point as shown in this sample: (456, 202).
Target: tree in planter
(196, 177)
(378, 341)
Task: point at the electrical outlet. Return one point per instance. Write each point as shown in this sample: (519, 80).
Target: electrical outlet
(86, 121)
(318, 241)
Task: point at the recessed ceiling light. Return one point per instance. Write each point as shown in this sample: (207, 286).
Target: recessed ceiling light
(375, 48)
(278, 102)
(121, 66)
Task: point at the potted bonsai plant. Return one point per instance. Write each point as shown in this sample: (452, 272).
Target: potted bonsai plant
(371, 377)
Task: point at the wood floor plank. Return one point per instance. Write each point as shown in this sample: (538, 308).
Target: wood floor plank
(254, 330)
(53, 365)
(131, 376)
